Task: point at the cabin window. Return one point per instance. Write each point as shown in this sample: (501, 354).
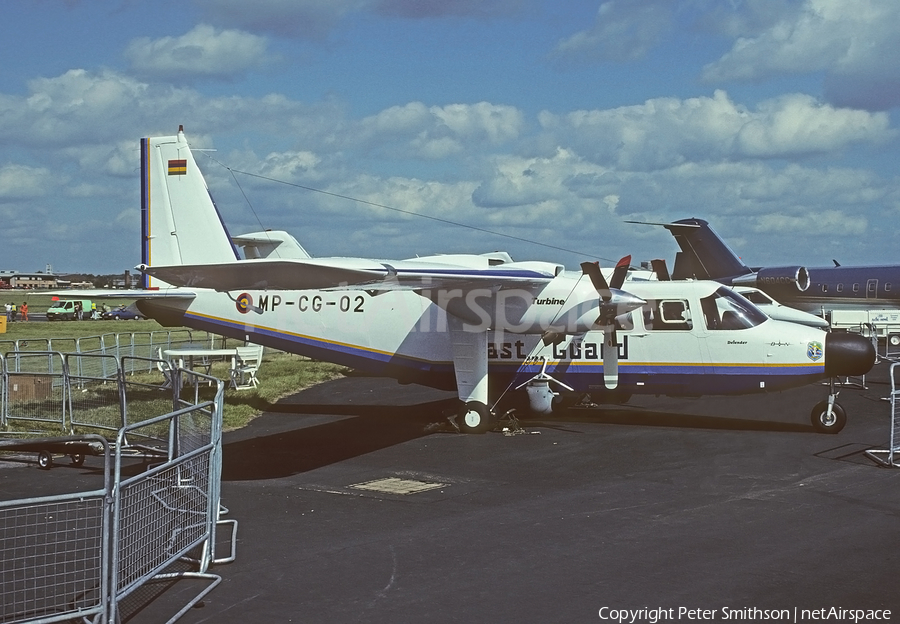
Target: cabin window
(887, 287)
(840, 288)
(667, 314)
(872, 286)
(824, 288)
(855, 287)
(727, 310)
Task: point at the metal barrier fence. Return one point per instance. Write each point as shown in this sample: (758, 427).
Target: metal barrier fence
(54, 554)
(81, 555)
(36, 388)
(144, 345)
(69, 390)
(891, 455)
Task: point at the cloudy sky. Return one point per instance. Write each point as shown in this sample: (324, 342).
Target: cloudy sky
(542, 125)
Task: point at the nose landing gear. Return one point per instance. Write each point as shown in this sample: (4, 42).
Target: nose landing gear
(828, 416)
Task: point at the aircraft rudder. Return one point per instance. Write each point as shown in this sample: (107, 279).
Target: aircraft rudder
(180, 222)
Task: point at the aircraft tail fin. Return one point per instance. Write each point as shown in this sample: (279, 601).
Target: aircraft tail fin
(180, 221)
(704, 255)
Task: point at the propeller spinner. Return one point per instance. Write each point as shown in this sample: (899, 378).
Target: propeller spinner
(613, 302)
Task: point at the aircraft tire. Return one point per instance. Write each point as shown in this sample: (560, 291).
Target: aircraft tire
(45, 460)
(475, 417)
(823, 425)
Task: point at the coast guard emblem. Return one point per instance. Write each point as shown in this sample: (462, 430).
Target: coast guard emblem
(814, 351)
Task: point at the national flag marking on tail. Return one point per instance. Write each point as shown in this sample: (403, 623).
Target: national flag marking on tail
(178, 167)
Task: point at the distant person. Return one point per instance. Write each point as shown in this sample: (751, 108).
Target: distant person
(24, 310)
(14, 311)
(79, 311)
(8, 312)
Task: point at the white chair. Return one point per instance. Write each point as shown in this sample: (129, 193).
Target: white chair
(164, 367)
(246, 364)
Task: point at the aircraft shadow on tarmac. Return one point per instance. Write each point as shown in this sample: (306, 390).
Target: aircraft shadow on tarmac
(643, 417)
(381, 419)
(369, 428)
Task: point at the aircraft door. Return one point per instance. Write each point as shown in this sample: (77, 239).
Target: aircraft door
(872, 289)
(735, 348)
(674, 345)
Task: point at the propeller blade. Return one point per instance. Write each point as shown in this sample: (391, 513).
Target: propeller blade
(610, 358)
(592, 270)
(661, 270)
(552, 337)
(619, 273)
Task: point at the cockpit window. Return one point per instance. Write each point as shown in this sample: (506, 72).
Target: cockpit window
(667, 314)
(757, 297)
(725, 309)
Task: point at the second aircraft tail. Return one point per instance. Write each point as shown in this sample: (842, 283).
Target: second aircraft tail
(704, 255)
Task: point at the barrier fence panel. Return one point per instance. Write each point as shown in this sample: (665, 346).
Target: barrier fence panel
(78, 556)
(196, 386)
(162, 515)
(891, 455)
(148, 393)
(54, 554)
(63, 345)
(36, 388)
(93, 365)
(95, 391)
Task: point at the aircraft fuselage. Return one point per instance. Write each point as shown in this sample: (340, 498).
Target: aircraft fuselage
(665, 347)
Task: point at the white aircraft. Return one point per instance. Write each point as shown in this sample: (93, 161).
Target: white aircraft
(482, 324)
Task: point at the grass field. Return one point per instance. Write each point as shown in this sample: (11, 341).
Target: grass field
(280, 374)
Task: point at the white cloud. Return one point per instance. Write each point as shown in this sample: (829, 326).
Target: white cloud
(518, 181)
(81, 108)
(435, 132)
(18, 182)
(622, 31)
(796, 124)
(202, 52)
(855, 43)
(665, 132)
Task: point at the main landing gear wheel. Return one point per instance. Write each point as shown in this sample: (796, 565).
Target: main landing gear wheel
(823, 423)
(475, 417)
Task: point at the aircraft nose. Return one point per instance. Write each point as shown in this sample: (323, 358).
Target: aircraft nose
(848, 354)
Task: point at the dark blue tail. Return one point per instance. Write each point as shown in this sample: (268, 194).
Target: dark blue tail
(703, 255)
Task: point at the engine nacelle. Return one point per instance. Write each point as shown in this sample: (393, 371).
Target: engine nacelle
(540, 396)
(792, 278)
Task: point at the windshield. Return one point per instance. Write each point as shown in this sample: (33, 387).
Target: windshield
(757, 297)
(725, 309)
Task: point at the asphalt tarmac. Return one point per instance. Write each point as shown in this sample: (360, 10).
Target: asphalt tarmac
(729, 506)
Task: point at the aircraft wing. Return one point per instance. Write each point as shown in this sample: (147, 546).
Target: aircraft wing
(105, 293)
(341, 273)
